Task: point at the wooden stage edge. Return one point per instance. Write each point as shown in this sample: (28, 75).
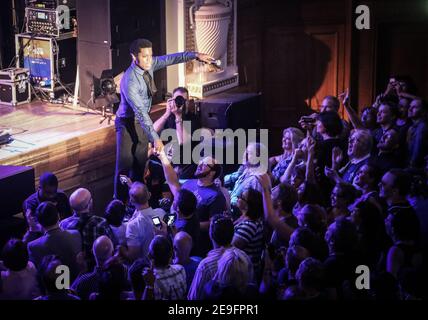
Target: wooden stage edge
(69, 142)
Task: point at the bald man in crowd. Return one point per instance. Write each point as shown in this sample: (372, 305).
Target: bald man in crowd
(87, 283)
(140, 229)
(182, 247)
(86, 222)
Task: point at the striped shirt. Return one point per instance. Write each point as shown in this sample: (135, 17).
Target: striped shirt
(251, 232)
(205, 272)
(170, 283)
(87, 283)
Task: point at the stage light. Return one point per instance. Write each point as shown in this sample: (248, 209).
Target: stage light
(108, 86)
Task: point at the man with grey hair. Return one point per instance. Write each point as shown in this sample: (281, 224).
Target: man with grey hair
(87, 283)
(86, 222)
(140, 229)
(359, 152)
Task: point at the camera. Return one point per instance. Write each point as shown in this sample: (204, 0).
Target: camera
(179, 101)
(308, 119)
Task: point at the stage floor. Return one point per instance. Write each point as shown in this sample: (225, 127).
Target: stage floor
(38, 124)
(72, 143)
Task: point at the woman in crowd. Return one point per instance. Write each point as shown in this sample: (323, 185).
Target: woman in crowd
(291, 139)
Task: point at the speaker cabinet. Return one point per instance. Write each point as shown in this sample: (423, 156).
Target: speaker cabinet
(106, 30)
(231, 110)
(16, 184)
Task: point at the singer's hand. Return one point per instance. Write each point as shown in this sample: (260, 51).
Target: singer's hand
(204, 57)
(158, 146)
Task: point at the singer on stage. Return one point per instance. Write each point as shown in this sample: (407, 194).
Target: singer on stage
(134, 127)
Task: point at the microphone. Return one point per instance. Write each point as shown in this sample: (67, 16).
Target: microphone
(215, 63)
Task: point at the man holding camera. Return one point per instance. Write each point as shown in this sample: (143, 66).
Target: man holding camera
(329, 103)
(179, 111)
(137, 88)
(176, 109)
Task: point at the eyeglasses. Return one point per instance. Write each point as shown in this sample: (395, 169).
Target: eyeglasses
(207, 165)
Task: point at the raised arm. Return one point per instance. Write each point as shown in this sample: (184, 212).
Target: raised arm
(310, 162)
(159, 124)
(170, 175)
(353, 116)
(283, 229)
(298, 153)
(180, 57)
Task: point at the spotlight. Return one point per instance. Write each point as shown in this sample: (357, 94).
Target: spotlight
(108, 86)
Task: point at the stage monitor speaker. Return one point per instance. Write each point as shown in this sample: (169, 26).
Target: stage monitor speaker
(91, 69)
(16, 184)
(117, 21)
(106, 30)
(231, 110)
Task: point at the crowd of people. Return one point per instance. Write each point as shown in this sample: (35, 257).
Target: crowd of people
(343, 194)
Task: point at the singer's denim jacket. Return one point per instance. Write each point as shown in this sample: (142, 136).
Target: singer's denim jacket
(133, 90)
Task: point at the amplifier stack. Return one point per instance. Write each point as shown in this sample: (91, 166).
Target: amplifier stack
(48, 48)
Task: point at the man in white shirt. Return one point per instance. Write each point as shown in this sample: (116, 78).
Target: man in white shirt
(140, 229)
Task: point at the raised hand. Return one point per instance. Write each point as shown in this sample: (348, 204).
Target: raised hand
(311, 147)
(158, 148)
(33, 224)
(168, 107)
(204, 57)
(307, 123)
(330, 173)
(264, 181)
(298, 154)
(163, 230)
(398, 89)
(173, 108)
(337, 156)
(344, 97)
(390, 88)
